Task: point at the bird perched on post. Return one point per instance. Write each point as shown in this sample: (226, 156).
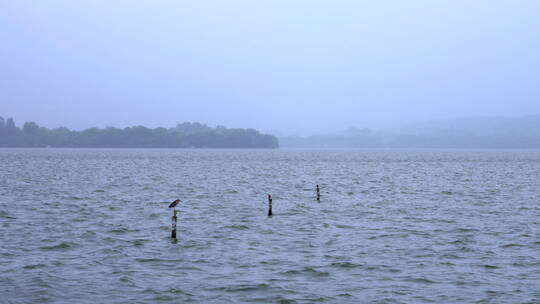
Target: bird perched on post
(173, 204)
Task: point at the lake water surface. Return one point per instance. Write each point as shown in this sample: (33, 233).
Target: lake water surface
(392, 226)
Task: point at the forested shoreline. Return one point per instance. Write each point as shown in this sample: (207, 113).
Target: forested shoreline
(185, 135)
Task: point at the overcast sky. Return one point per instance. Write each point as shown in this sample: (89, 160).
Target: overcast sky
(295, 66)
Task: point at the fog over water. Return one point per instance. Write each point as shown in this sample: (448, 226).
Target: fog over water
(286, 67)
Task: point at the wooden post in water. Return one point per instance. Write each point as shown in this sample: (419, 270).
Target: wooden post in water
(318, 193)
(269, 205)
(173, 224)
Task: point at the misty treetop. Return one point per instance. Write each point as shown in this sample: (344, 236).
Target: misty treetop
(470, 133)
(185, 135)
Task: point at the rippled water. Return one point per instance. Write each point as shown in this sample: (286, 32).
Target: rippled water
(398, 226)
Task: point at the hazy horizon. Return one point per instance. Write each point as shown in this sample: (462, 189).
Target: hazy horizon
(299, 68)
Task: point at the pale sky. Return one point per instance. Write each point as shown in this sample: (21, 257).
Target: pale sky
(298, 67)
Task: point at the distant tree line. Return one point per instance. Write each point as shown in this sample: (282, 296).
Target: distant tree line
(491, 133)
(440, 140)
(185, 135)
(413, 141)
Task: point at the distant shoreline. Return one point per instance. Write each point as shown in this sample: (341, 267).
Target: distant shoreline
(186, 136)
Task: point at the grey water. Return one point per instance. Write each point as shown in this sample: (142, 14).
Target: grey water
(392, 226)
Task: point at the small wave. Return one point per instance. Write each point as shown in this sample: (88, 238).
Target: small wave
(511, 245)
(151, 260)
(307, 271)
(179, 291)
(88, 233)
(121, 230)
(76, 198)
(237, 227)
(60, 246)
(255, 287)
(4, 214)
(343, 226)
(143, 260)
(452, 256)
(346, 265)
(466, 230)
(420, 280)
(34, 266)
(139, 242)
(118, 230)
(466, 249)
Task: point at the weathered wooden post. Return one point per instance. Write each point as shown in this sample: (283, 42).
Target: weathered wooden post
(269, 205)
(174, 218)
(173, 224)
(318, 193)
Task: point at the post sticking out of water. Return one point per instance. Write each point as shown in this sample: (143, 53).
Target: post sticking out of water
(173, 224)
(269, 205)
(318, 193)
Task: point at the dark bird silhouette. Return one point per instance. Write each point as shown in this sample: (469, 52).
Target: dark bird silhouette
(173, 204)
